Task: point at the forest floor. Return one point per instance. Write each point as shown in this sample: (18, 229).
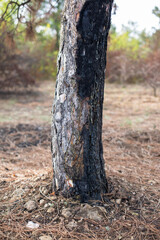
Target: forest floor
(131, 138)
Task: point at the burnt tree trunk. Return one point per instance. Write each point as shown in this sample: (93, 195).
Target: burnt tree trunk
(77, 150)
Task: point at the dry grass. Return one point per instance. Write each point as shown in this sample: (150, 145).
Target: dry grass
(131, 136)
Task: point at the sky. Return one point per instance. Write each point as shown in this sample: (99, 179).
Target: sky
(139, 11)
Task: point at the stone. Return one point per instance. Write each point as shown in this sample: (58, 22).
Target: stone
(46, 205)
(46, 192)
(42, 202)
(66, 212)
(72, 224)
(94, 213)
(50, 210)
(32, 225)
(45, 237)
(30, 205)
(118, 201)
(107, 228)
(53, 198)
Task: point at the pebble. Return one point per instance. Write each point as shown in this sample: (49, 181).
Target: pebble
(30, 205)
(94, 213)
(53, 198)
(45, 237)
(66, 212)
(46, 205)
(46, 192)
(41, 202)
(107, 228)
(50, 210)
(32, 225)
(118, 201)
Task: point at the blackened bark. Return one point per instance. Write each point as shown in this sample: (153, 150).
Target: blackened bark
(77, 150)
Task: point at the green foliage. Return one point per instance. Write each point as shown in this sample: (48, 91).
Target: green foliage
(132, 43)
(124, 42)
(129, 51)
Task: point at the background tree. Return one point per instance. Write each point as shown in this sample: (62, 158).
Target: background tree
(29, 39)
(150, 71)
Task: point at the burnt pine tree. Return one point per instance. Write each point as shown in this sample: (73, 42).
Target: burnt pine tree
(77, 150)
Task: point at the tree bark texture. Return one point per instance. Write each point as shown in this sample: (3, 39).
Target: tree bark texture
(77, 150)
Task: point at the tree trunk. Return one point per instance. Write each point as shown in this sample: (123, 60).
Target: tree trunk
(77, 150)
(155, 91)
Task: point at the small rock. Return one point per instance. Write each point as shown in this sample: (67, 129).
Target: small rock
(118, 201)
(94, 213)
(5, 198)
(42, 202)
(50, 210)
(45, 237)
(46, 192)
(30, 205)
(66, 212)
(71, 224)
(46, 205)
(32, 225)
(65, 204)
(53, 198)
(51, 204)
(107, 228)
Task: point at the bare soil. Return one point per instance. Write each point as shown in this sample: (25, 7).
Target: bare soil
(131, 138)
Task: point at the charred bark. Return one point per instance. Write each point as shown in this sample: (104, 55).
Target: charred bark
(77, 150)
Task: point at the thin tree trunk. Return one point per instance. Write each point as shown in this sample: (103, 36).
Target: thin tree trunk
(77, 150)
(155, 91)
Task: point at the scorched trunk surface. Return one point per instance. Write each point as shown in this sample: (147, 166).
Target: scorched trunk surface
(77, 150)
